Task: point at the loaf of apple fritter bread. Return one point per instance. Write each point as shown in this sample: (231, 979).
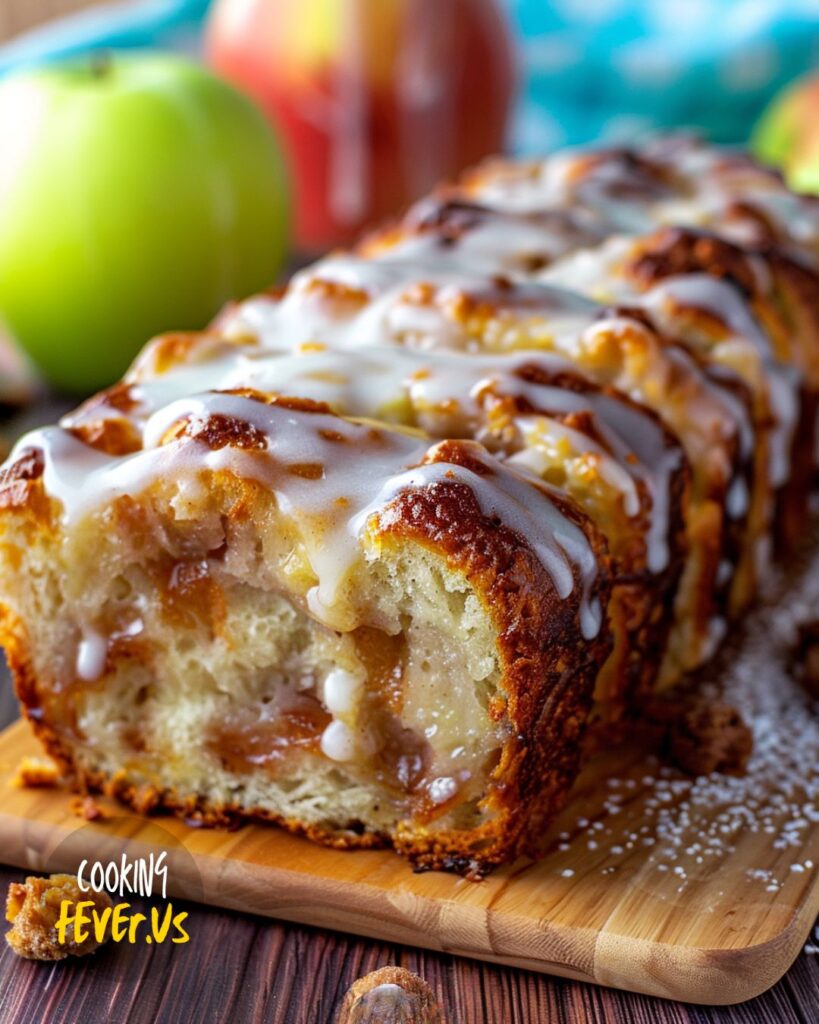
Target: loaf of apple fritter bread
(368, 556)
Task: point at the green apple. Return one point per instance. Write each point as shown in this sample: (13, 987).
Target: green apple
(137, 194)
(787, 135)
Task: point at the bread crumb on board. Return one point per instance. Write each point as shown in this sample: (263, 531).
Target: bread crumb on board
(35, 773)
(390, 994)
(33, 909)
(710, 737)
(700, 735)
(43, 773)
(806, 657)
(87, 807)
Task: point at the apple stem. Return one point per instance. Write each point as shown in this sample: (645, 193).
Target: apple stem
(100, 63)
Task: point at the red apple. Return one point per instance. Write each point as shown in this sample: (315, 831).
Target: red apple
(376, 100)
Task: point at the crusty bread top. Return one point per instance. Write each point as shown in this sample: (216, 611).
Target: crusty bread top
(674, 179)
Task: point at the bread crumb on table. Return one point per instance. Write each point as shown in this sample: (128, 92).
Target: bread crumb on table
(390, 995)
(33, 908)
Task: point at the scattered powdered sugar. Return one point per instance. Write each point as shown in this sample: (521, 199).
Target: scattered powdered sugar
(651, 820)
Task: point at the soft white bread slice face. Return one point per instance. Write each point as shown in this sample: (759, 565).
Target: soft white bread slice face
(271, 611)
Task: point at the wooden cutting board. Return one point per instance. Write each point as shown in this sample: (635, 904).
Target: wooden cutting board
(597, 908)
(702, 890)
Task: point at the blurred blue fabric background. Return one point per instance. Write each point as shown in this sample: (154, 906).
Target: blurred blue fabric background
(613, 68)
(591, 68)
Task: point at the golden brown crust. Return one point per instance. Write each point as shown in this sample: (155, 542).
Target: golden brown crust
(548, 672)
(676, 250)
(16, 477)
(17, 648)
(112, 436)
(169, 350)
(787, 306)
(784, 300)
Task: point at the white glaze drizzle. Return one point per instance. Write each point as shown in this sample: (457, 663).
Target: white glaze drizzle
(564, 321)
(695, 186)
(526, 509)
(431, 382)
(547, 304)
(491, 241)
(340, 690)
(395, 310)
(338, 741)
(596, 270)
(92, 652)
(331, 511)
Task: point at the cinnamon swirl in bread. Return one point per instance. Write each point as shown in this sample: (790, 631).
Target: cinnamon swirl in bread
(367, 556)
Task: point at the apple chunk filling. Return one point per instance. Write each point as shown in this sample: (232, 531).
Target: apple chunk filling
(265, 737)
(409, 714)
(263, 708)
